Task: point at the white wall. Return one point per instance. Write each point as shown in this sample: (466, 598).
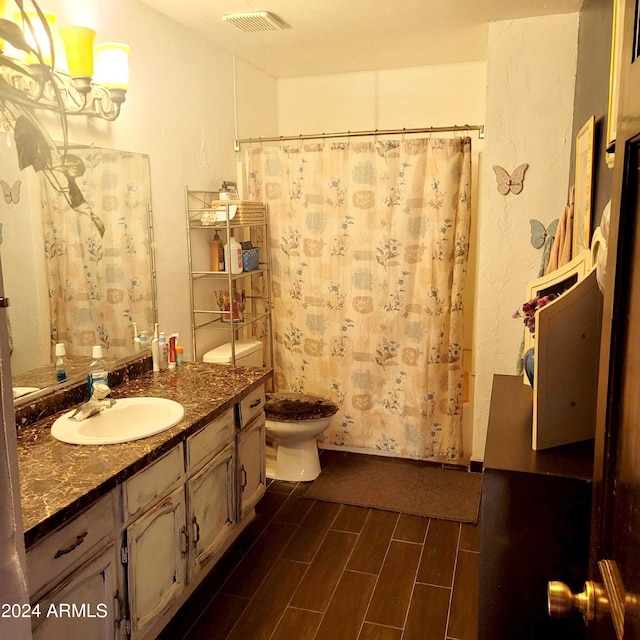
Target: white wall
(529, 115)
(180, 111)
(396, 98)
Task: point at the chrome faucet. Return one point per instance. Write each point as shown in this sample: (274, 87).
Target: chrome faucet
(97, 403)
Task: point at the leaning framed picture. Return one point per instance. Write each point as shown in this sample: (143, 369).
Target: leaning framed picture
(583, 187)
(614, 76)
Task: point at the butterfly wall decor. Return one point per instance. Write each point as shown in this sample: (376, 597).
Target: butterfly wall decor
(11, 194)
(513, 182)
(540, 233)
(542, 238)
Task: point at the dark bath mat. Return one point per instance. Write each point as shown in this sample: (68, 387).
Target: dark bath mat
(396, 484)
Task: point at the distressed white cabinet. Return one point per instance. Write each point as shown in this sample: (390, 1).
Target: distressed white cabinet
(252, 476)
(75, 578)
(158, 547)
(211, 499)
(171, 538)
(141, 551)
(86, 604)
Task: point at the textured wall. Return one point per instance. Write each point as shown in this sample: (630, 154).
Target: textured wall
(530, 89)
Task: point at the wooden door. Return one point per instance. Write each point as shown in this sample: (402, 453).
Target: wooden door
(615, 536)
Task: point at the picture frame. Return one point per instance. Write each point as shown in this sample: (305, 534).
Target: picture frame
(583, 187)
(614, 76)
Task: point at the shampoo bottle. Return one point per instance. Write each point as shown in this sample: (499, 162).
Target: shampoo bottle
(217, 253)
(233, 256)
(98, 369)
(61, 362)
(164, 350)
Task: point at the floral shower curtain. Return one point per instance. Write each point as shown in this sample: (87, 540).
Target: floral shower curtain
(369, 245)
(98, 285)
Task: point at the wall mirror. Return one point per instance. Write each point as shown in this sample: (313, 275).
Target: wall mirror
(65, 281)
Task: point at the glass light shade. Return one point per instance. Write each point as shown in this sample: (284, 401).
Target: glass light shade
(40, 35)
(3, 7)
(78, 47)
(112, 65)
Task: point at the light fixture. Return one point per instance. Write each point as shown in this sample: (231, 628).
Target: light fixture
(31, 68)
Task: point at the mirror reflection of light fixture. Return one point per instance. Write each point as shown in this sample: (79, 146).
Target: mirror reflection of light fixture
(75, 92)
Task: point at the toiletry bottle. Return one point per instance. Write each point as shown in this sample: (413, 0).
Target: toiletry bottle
(155, 350)
(225, 192)
(98, 369)
(179, 356)
(61, 362)
(233, 256)
(172, 352)
(144, 342)
(164, 351)
(217, 253)
(137, 345)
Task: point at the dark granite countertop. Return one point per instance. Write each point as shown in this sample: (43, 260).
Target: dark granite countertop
(58, 480)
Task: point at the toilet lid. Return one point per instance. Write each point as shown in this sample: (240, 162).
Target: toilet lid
(291, 407)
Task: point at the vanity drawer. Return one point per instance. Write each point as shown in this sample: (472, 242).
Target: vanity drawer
(252, 406)
(49, 559)
(150, 484)
(209, 440)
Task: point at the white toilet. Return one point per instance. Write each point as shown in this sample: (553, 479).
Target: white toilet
(248, 353)
(294, 421)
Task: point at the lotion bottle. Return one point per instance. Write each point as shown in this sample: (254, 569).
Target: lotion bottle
(217, 253)
(164, 351)
(233, 256)
(155, 350)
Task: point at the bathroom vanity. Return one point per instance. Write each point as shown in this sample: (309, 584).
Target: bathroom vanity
(119, 536)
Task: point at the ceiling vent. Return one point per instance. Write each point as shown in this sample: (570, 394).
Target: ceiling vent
(255, 21)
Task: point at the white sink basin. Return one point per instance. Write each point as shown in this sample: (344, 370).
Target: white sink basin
(128, 419)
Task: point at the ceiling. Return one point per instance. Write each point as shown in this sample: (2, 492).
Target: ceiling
(336, 36)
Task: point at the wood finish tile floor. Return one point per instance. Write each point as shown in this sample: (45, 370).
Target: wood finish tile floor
(311, 570)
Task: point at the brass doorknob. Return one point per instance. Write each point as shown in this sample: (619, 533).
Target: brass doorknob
(562, 602)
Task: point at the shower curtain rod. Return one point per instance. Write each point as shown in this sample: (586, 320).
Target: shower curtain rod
(354, 134)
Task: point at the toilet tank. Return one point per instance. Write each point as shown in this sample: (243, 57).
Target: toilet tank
(248, 353)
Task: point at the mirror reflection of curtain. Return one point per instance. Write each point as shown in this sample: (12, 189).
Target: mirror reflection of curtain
(369, 252)
(98, 285)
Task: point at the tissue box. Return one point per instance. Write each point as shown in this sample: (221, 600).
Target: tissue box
(250, 259)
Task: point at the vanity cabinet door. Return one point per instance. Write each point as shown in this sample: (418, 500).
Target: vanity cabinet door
(157, 550)
(252, 477)
(87, 604)
(211, 494)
